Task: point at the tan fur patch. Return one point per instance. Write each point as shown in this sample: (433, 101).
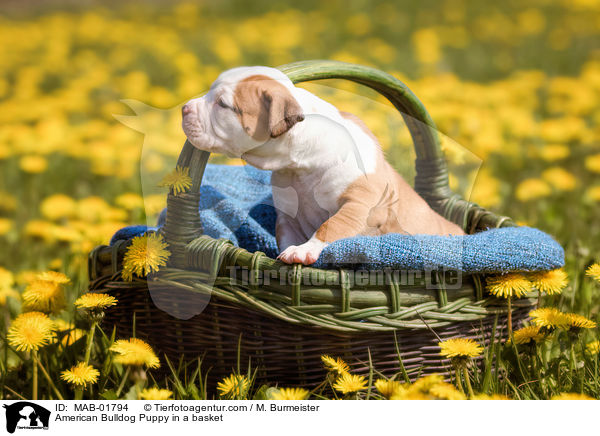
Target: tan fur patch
(265, 108)
(382, 202)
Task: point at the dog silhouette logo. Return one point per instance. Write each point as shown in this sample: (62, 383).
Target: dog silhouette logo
(26, 415)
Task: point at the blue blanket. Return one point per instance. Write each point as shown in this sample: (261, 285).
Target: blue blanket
(236, 204)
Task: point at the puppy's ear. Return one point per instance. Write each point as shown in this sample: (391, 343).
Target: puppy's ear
(284, 110)
(265, 107)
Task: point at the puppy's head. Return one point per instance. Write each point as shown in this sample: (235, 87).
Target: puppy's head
(244, 108)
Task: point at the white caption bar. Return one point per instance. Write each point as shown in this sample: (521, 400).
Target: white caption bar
(298, 417)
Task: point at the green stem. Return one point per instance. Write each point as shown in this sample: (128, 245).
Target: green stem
(596, 370)
(573, 363)
(581, 372)
(4, 330)
(34, 383)
(86, 359)
(468, 381)
(6, 323)
(49, 380)
(509, 321)
(122, 384)
(558, 373)
(540, 368)
(458, 382)
(90, 342)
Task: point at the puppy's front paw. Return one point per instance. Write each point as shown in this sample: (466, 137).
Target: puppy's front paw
(306, 254)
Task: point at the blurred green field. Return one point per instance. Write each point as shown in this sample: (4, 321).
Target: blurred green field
(514, 89)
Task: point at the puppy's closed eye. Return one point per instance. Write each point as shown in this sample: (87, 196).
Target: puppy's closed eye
(221, 102)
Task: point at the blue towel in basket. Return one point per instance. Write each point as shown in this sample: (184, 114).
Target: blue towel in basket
(236, 204)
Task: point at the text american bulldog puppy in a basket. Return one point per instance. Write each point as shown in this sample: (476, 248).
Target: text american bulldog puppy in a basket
(330, 177)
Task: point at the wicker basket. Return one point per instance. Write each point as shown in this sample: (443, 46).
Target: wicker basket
(212, 301)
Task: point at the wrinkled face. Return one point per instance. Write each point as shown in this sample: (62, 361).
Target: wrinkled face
(244, 108)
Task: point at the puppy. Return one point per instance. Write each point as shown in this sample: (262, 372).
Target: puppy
(330, 178)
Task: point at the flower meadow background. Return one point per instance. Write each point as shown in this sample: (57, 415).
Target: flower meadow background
(87, 88)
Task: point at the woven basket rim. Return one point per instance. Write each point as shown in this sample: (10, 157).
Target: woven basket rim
(337, 305)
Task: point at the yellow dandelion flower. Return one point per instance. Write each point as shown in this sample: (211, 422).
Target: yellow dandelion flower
(130, 201)
(155, 394)
(234, 386)
(577, 321)
(61, 325)
(178, 180)
(6, 293)
(460, 348)
(426, 44)
(80, 374)
(348, 383)
(7, 278)
(493, 397)
(290, 394)
(571, 396)
(92, 209)
(410, 395)
(135, 352)
(55, 263)
(95, 301)
(528, 335)
(66, 234)
(560, 179)
(44, 296)
(71, 335)
(54, 277)
(6, 225)
(593, 347)
(592, 163)
(31, 331)
(550, 282)
(508, 285)
(554, 152)
(338, 366)
(549, 317)
(388, 388)
(33, 164)
(58, 206)
(40, 229)
(145, 255)
(532, 189)
(424, 384)
(446, 391)
(154, 203)
(593, 271)
(592, 193)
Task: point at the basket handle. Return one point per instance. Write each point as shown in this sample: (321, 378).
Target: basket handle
(431, 181)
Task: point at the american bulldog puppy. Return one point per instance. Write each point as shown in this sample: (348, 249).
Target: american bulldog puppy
(330, 178)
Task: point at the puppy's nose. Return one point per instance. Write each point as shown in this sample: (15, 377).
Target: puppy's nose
(185, 110)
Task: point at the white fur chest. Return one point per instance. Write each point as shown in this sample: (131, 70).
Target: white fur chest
(302, 199)
(330, 153)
